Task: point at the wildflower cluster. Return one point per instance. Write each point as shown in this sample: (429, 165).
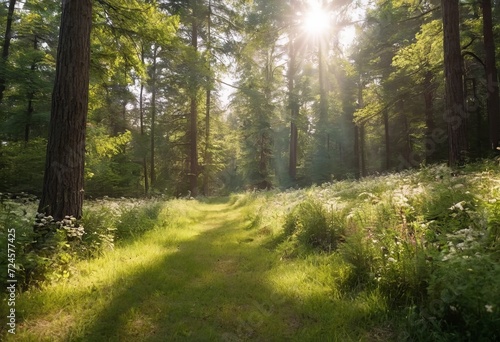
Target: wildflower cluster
(46, 223)
(462, 241)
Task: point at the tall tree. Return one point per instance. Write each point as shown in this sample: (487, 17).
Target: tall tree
(141, 125)
(454, 92)
(6, 46)
(208, 105)
(294, 110)
(64, 169)
(193, 114)
(154, 77)
(493, 100)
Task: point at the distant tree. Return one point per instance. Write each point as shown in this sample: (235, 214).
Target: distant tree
(493, 100)
(454, 92)
(64, 170)
(6, 46)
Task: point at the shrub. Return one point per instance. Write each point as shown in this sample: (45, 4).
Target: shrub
(20, 219)
(493, 222)
(403, 273)
(138, 220)
(16, 159)
(466, 292)
(361, 255)
(100, 229)
(313, 226)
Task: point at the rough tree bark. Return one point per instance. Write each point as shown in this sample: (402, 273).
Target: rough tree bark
(493, 100)
(193, 118)
(454, 91)
(141, 122)
(208, 104)
(64, 169)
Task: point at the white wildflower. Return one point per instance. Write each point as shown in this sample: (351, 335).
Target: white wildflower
(458, 206)
(489, 308)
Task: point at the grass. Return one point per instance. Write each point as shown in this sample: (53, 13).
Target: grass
(202, 274)
(246, 268)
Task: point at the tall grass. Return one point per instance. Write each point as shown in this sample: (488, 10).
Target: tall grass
(426, 242)
(412, 256)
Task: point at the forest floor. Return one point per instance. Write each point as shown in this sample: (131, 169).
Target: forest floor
(209, 275)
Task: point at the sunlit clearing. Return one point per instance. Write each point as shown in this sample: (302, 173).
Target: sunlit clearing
(317, 20)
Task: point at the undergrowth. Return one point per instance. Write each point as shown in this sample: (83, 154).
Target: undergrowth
(50, 256)
(412, 256)
(427, 241)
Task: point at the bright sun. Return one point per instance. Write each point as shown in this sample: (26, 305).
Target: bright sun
(316, 20)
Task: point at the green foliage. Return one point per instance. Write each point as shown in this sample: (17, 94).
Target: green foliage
(362, 257)
(426, 241)
(136, 221)
(29, 71)
(466, 289)
(412, 255)
(100, 230)
(110, 166)
(22, 166)
(493, 219)
(20, 217)
(50, 252)
(312, 225)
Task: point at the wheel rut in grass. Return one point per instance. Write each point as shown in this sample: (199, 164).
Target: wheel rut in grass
(203, 274)
(203, 291)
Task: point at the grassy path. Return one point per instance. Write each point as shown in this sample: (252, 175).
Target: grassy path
(207, 276)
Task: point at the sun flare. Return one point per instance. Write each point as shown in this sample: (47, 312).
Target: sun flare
(316, 20)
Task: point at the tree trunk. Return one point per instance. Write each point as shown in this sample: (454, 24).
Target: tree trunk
(387, 139)
(294, 112)
(493, 100)
(206, 175)
(208, 104)
(31, 96)
(359, 135)
(6, 44)
(64, 169)
(153, 117)
(407, 148)
(430, 125)
(362, 159)
(454, 92)
(193, 118)
(323, 100)
(357, 165)
(141, 123)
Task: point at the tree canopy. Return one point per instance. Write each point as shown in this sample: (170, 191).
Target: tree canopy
(210, 96)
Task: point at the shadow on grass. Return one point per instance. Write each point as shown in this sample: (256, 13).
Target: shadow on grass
(215, 287)
(210, 289)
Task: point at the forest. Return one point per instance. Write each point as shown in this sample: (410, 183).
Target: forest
(208, 170)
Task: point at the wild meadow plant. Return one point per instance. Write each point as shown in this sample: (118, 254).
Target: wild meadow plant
(427, 241)
(49, 254)
(414, 256)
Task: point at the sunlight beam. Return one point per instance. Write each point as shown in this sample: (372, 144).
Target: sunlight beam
(316, 19)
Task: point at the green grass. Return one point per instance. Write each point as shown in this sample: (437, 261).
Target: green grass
(415, 258)
(202, 274)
